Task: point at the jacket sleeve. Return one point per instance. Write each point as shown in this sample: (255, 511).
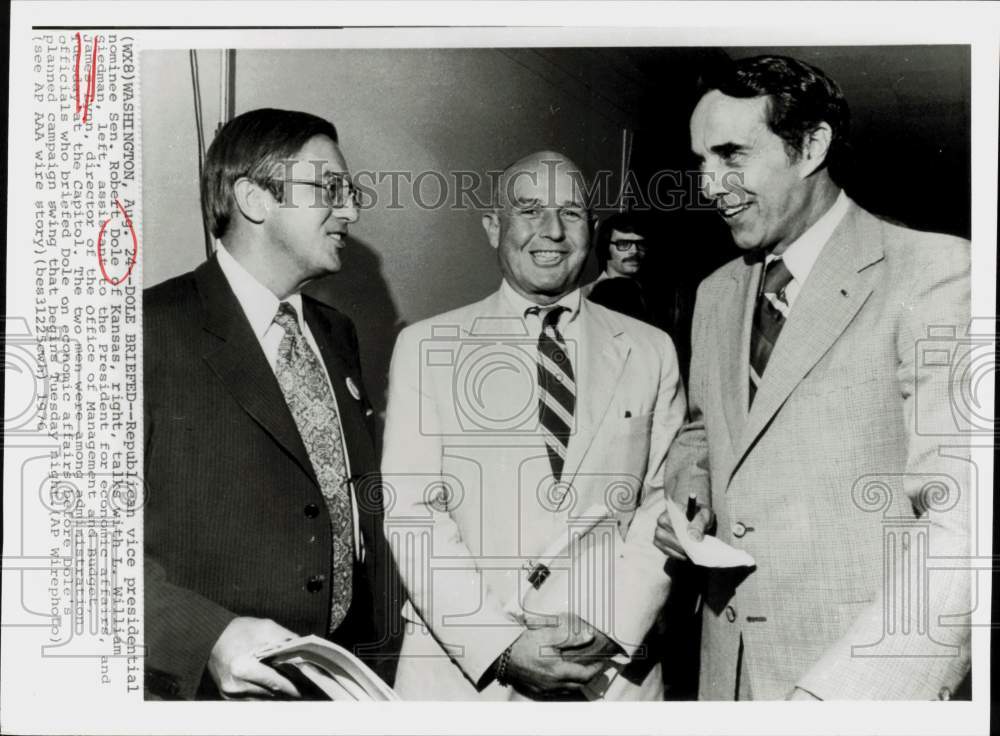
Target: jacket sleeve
(181, 629)
(181, 626)
(641, 584)
(416, 490)
(928, 652)
(686, 469)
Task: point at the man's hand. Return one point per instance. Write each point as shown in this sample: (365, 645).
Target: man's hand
(666, 540)
(239, 674)
(551, 662)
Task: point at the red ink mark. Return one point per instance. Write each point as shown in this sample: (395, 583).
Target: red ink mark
(135, 248)
(91, 91)
(79, 50)
(91, 82)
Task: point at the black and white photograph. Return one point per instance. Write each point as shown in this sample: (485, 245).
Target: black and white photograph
(431, 265)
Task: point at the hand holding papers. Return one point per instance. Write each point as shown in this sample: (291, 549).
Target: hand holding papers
(324, 671)
(709, 551)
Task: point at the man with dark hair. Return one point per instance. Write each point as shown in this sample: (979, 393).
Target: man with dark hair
(620, 249)
(263, 517)
(814, 427)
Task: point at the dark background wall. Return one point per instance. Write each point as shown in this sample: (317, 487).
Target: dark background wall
(448, 110)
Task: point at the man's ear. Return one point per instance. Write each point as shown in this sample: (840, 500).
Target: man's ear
(252, 201)
(491, 224)
(815, 149)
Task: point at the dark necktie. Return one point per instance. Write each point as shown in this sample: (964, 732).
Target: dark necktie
(310, 399)
(768, 318)
(556, 389)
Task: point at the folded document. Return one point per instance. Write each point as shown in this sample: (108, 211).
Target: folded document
(321, 670)
(710, 551)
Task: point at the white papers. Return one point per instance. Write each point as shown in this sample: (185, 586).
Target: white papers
(333, 669)
(710, 551)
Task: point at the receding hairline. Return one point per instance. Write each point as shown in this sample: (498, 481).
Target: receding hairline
(533, 163)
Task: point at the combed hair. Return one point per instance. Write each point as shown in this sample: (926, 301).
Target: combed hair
(252, 145)
(800, 97)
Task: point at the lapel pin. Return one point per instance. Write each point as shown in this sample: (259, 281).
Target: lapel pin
(353, 388)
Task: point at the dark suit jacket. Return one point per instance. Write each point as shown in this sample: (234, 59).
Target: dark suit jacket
(235, 523)
(622, 295)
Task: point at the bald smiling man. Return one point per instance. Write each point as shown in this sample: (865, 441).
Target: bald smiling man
(513, 425)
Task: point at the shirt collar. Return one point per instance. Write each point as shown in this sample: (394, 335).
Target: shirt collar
(259, 303)
(800, 256)
(521, 305)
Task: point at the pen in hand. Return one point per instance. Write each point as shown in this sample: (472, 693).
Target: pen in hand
(690, 513)
(692, 507)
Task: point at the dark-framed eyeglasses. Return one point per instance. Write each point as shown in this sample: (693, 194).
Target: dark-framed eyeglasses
(338, 190)
(623, 246)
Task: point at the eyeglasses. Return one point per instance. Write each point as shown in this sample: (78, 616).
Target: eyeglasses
(338, 190)
(623, 246)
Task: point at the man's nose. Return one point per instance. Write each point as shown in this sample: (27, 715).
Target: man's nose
(552, 226)
(711, 182)
(348, 213)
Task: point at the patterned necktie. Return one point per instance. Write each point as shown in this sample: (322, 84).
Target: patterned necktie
(308, 394)
(556, 389)
(768, 319)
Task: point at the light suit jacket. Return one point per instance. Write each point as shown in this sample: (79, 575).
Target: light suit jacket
(470, 499)
(846, 480)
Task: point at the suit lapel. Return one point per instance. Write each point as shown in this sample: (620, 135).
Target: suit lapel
(838, 285)
(239, 362)
(602, 356)
(598, 362)
(334, 345)
(736, 315)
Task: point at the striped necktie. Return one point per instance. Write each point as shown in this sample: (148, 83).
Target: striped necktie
(556, 389)
(768, 318)
(310, 399)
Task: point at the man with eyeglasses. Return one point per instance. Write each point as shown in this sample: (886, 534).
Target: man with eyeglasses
(263, 517)
(621, 250)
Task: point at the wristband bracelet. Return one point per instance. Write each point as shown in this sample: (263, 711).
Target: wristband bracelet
(502, 663)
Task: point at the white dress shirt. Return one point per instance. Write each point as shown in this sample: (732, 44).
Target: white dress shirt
(260, 306)
(569, 325)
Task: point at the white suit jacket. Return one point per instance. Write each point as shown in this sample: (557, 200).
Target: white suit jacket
(847, 479)
(469, 499)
